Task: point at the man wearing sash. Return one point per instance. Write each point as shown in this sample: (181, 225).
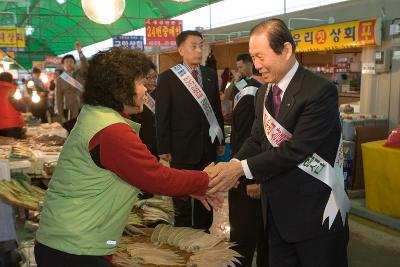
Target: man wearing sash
(69, 86)
(294, 151)
(189, 121)
(245, 213)
(147, 118)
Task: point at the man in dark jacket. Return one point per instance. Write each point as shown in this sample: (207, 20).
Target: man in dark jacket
(245, 213)
(189, 121)
(294, 151)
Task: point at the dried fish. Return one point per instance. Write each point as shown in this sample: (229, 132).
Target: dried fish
(21, 194)
(151, 254)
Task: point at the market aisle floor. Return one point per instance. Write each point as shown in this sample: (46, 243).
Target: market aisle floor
(372, 245)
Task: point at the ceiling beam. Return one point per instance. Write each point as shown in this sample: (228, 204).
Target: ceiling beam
(27, 16)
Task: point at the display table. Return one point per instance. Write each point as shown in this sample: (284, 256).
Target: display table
(382, 178)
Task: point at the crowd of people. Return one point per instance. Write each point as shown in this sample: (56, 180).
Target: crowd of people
(132, 131)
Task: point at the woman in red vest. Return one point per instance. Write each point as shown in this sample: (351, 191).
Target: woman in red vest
(11, 121)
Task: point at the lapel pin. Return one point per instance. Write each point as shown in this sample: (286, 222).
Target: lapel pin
(288, 105)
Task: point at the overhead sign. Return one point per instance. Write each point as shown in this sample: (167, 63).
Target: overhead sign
(352, 34)
(53, 61)
(162, 32)
(38, 64)
(133, 42)
(9, 54)
(12, 38)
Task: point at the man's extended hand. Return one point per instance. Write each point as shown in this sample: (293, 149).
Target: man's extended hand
(253, 191)
(224, 176)
(211, 200)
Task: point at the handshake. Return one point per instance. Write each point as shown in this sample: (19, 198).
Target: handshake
(223, 176)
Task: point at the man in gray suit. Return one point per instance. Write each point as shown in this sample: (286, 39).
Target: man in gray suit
(69, 86)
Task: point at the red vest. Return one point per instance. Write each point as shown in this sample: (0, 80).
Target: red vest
(9, 116)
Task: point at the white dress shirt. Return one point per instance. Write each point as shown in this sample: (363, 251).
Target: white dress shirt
(282, 84)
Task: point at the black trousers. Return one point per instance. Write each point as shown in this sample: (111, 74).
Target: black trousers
(184, 211)
(12, 132)
(48, 257)
(247, 227)
(9, 256)
(326, 250)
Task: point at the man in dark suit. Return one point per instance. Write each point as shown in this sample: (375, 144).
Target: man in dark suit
(183, 129)
(245, 213)
(304, 228)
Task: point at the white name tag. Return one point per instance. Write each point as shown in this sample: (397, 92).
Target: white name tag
(111, 242)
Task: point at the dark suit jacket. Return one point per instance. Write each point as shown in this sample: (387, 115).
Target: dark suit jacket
(148, 127)
(309, 110)
(181, 126)
(242, 118)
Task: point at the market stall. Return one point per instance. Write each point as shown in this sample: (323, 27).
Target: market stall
(381, 173)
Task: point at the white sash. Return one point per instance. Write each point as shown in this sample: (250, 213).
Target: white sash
(316, 167)
(150, 103)
(197, 92)
(249, 90)
(66, 77)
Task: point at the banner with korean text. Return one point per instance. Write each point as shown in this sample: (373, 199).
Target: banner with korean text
(53, 61)
(162, 32)
(344, 35)
(130, 41)
(12, 38)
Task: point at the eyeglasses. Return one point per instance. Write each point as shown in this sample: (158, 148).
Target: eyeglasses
(151, 77)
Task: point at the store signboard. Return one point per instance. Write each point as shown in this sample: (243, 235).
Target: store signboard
(352, 34)
(9, 54)
(130, 41)
(396, 55)
(53, 61)
(12, 38)
(38, 64)
(368, 68)
(162, 32)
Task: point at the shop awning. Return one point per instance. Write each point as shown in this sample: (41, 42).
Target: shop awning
(58, 26)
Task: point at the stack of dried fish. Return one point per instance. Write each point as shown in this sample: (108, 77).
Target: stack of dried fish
(150, 211)
(219, 256)
(7, 140)
(21, 194)
(209, 250)
(48, 140)
(5, 151)
(147, 253)
(185, 238)
(19, 152)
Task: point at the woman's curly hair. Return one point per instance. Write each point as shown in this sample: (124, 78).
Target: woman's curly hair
(110, 80)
